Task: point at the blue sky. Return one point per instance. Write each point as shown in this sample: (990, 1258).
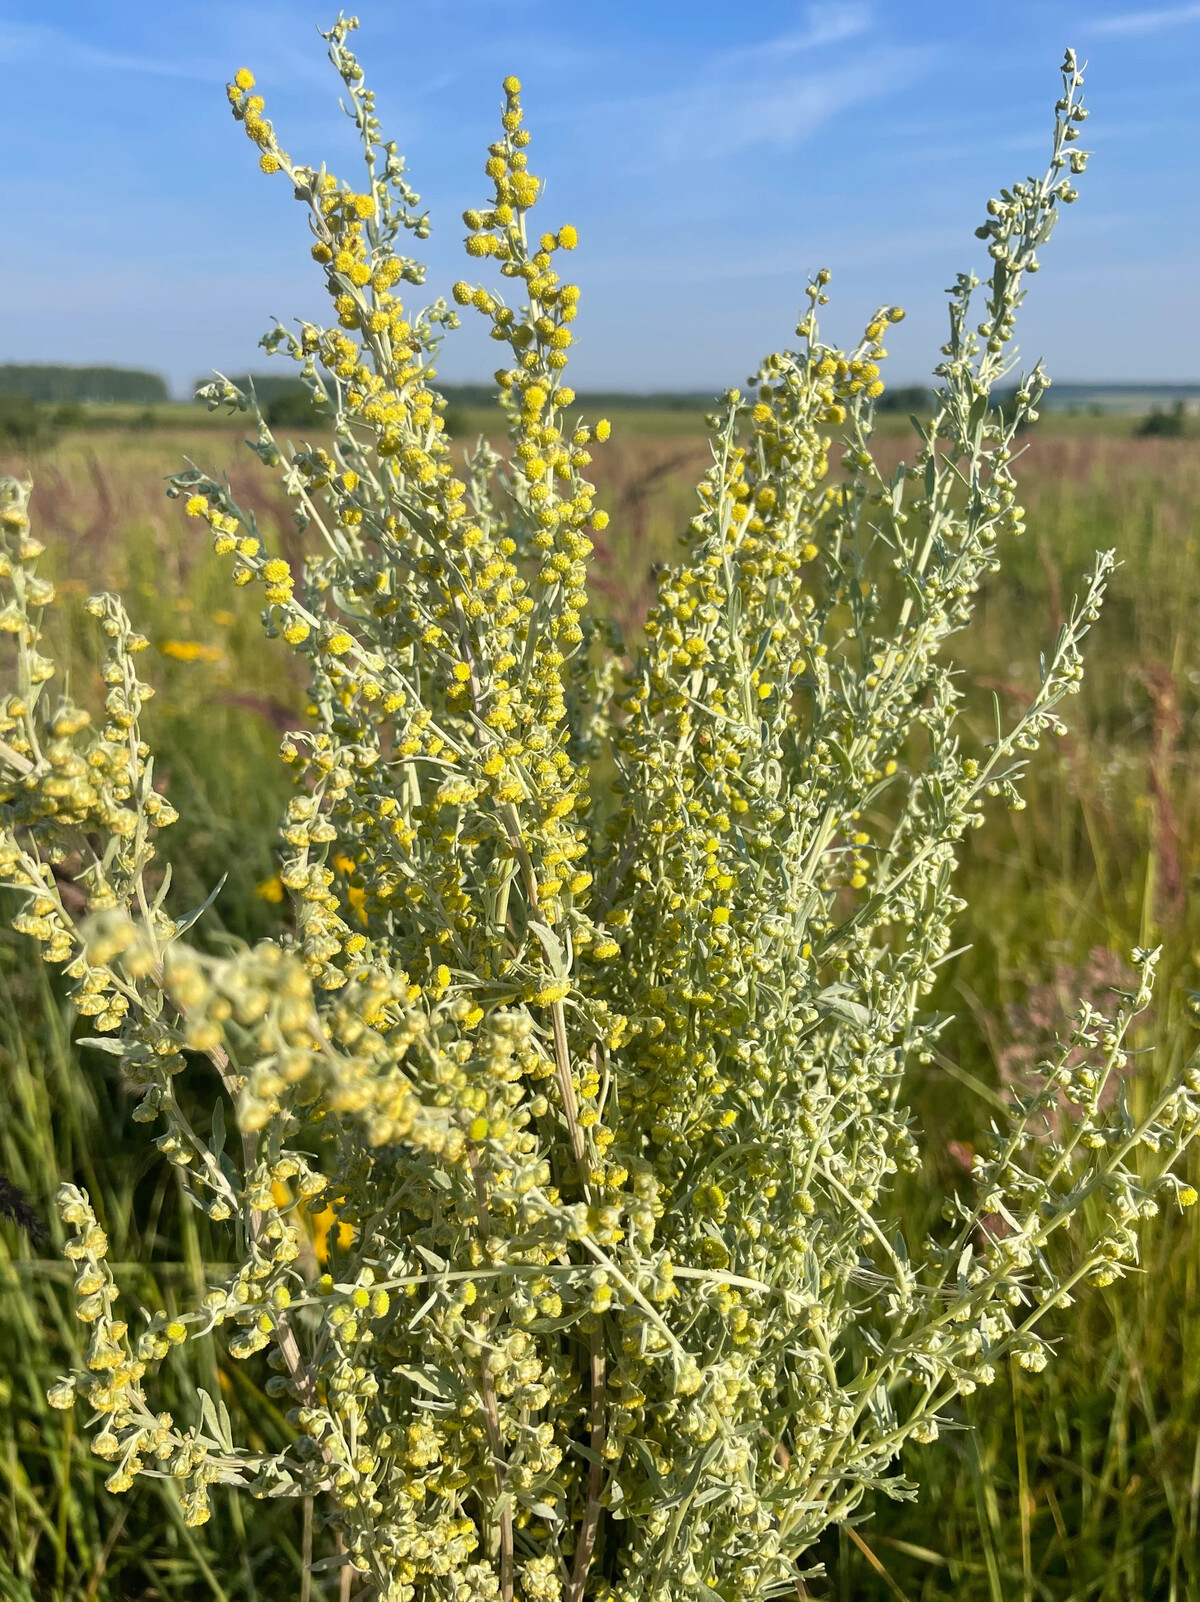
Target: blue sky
(710, 153)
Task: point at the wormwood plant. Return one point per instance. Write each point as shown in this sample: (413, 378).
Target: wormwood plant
(606, 968)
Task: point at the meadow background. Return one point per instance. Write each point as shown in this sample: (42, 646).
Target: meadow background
(1081, 1483)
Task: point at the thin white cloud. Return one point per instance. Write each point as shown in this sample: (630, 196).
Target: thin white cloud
(830, 24)
(773, 93)
(1135, 22)
(827, 25)
(21, 41)
(209, 64)
(726, 114)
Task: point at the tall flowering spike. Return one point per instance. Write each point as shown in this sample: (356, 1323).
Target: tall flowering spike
(569, 1107)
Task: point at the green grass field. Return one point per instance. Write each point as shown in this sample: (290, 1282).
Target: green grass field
(1083, 1482)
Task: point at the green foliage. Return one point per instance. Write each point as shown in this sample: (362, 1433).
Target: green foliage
(66, 1112)
(608, 973)
(1076, 868)
(62, 1535)
(294, 408)
(1163, 424)
(455, 422)
(908, 398)
(28, 425)
(23, 423)
(1083, 1485)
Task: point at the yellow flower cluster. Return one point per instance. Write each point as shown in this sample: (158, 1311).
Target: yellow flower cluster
(127, 1433)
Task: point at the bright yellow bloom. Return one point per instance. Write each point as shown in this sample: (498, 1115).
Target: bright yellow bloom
(322, 1223)
(191, 651)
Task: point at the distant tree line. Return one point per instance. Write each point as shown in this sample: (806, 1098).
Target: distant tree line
(56, 386)
(285, 401)
(906, 398)
(38, 400)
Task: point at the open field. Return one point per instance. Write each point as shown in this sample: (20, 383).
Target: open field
(1083, 1482)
